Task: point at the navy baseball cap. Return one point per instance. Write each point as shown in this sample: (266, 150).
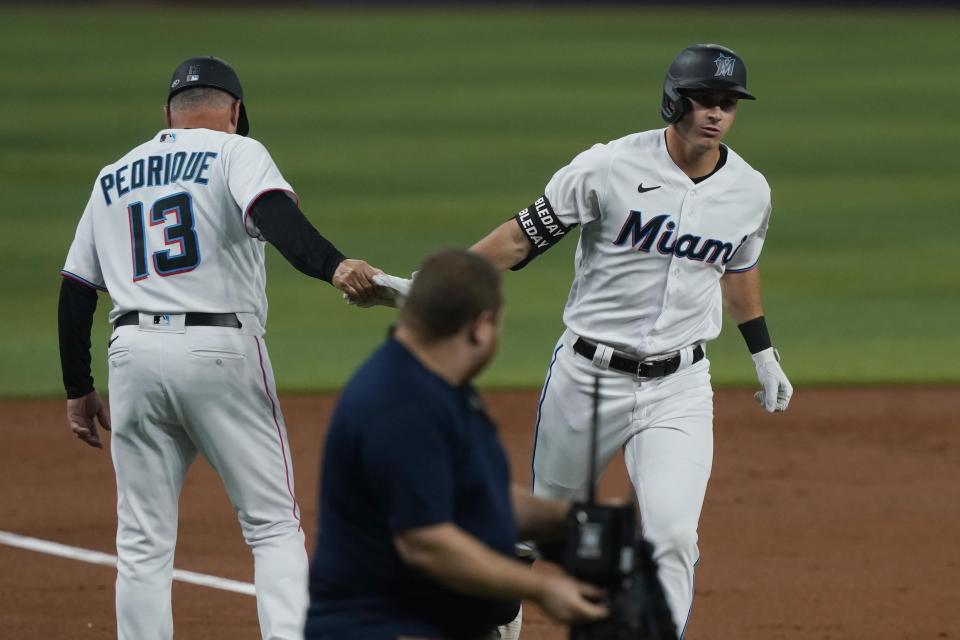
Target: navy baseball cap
(210, 71)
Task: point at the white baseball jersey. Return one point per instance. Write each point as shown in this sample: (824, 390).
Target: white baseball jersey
(653, 245)
(166, 231)
(166, 228)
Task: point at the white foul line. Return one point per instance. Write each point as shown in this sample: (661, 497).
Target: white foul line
(97, 557)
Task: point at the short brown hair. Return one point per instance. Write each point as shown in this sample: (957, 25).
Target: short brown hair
(451, 289)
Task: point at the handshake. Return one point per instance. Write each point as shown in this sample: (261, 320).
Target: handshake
(389, 292)
(365, 286)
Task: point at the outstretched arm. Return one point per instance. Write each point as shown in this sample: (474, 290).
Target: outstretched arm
(523, 237)
(282, 224)
(511, 245)
(506, 246)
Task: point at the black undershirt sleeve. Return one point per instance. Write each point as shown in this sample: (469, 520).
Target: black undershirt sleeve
(283, 225)
(78, 302)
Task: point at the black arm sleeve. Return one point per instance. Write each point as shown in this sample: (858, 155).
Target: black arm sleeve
(283, 225)
(77, 305)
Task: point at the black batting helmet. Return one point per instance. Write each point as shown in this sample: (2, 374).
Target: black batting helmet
(210, 71)
(701, 66)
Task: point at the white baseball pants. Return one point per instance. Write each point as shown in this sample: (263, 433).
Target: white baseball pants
(665, 427)
(174, 392)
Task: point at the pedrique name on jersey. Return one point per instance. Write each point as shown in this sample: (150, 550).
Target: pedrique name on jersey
(659, 231)
(156, 171)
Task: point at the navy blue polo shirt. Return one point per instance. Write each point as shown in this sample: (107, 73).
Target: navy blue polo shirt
(404, 450)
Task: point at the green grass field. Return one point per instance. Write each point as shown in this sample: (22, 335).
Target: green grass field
(411, 130)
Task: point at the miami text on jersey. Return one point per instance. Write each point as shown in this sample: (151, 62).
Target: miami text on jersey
(643, 236)
(155, 171)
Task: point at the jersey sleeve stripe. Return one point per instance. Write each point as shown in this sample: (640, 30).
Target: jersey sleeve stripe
(81, 280)
(253, 200)
(742, 269)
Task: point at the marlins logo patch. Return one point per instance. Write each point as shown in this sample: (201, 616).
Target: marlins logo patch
(724, 65)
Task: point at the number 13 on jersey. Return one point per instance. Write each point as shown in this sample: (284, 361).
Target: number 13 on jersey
(179, 232)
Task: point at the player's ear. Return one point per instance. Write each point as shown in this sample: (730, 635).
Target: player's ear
(235, 114)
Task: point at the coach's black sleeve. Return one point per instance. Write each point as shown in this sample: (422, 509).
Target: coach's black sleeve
(283, 225)
(78, 302)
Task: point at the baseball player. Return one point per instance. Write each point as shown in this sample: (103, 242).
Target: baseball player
(672, 222)
(173, 232)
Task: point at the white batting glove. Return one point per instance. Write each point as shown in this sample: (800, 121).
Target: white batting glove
(776, 390)
(399, 287)
(391, 293)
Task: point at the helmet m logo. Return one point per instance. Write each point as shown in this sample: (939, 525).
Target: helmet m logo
(724, 65)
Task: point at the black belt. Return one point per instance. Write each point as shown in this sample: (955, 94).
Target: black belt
(191, 319)
(624, 363)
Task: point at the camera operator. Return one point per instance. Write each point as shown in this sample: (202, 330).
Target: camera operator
(418, 519)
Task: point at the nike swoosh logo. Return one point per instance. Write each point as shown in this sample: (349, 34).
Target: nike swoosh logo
(111, 342)
(643, 189)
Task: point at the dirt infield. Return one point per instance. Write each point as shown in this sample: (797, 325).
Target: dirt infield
(837, 520)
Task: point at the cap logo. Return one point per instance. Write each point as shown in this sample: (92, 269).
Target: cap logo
(724, 65)
(193, 73)
(173, 85)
